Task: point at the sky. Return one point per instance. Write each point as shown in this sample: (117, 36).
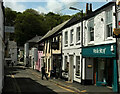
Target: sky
(56, 6)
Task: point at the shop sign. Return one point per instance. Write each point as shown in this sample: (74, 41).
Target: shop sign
(99, 50)
(106, 50)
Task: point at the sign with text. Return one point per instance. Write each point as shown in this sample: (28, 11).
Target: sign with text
(106, 50)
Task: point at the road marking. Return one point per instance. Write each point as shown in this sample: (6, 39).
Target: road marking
(65, 88)
(83, 91)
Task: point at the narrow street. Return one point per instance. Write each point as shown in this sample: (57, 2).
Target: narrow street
(21, 80)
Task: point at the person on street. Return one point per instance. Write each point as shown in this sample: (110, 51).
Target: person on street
(44, 73)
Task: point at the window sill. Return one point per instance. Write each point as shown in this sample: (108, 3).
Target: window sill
(78, 43)
(109, 38)
(78, 77)
(65, 45)
(71, 44)
(91, 43)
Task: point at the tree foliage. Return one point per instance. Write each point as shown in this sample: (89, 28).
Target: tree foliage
(30, 23)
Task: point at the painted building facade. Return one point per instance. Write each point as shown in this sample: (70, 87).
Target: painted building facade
(2, 46)
(52, 56)
(71, 52)
(99, 51)
(12, 47)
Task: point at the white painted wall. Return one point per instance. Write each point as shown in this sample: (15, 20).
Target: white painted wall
(69, 50)
(1, 48)
(99, 29)
(13, 51)
(26, 52)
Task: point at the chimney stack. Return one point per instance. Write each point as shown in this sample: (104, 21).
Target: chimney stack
(86, 8)
(90, 7)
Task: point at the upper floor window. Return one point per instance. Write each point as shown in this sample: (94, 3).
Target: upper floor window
(109, 23)
(71, 36)
(66, 37)
(91, 29)
(78, 34)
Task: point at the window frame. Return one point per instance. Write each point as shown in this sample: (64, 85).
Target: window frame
(78, 34)
(66, 39)
(91, 30)
(77, 70)
(107, 23)
(71, 36)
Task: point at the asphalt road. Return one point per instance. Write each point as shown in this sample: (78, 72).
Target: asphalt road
(20, 80)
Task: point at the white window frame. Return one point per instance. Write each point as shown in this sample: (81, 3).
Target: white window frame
(109, 23)
(78, 34)
(77, 68)
(71, 36)
(91, 31)
(66, 38)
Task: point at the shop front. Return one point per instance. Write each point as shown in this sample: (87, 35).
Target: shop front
(101, 65)
(57, 65)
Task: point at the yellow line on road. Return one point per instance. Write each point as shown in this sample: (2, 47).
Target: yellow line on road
(65, 88)
(83, 91)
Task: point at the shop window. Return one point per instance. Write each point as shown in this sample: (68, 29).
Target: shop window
(109, 23)
(77, 66)
(91, 29)
(78, 34)
(101, 70)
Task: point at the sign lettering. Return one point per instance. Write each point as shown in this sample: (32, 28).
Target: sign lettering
(99, 50)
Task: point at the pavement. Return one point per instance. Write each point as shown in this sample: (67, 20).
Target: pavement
(77, 87)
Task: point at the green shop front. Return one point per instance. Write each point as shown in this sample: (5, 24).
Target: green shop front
(101, 65)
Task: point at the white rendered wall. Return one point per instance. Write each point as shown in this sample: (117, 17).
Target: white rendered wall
(13, 51)
(1, 49)
(99, 29)
(74, 50)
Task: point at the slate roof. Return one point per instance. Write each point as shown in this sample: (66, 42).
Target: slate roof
(35, 39)
(54, 30)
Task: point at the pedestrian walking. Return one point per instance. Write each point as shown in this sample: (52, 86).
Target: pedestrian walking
(44, 73)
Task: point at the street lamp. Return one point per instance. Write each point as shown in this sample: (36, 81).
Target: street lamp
(81, 34)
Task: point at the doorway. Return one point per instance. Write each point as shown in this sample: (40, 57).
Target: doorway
(104, 74)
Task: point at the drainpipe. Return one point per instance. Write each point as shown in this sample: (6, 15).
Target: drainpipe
(81, 44)
(117, 90)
